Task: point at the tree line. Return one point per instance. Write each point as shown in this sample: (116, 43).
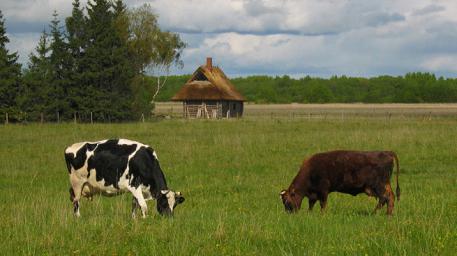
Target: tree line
(93, 66)
(418, 87)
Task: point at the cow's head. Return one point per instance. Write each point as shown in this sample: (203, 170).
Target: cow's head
(291, 200)
(167, 201)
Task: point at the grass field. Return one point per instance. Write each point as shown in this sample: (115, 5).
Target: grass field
(231, 173)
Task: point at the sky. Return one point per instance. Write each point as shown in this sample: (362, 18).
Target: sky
(319, 38)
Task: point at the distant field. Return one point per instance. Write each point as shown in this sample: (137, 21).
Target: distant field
(231, 173)
(323, 111)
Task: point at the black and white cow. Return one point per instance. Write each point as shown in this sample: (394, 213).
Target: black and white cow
(111, 167)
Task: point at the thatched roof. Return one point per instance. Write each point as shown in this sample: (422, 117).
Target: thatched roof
(208, 83)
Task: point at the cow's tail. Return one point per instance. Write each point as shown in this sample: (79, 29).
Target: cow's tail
(397, 190)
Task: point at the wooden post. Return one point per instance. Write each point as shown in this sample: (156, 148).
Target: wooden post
(75, 117)
(6, 118)
(91, 120)
(42, 117)
(142, 117)
(58, 117)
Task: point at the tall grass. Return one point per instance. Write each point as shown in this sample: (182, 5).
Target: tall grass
(231, 173)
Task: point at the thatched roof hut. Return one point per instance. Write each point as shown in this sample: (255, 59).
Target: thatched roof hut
(209, 93)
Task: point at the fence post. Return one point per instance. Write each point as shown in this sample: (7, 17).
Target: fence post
(41, 117)
(91, 120)
(75, 117)
(58, 117)
(142, 117)
(6, 118)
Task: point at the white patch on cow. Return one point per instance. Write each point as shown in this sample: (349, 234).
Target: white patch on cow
(171, 198)
(155, 155)
(73, 149)
(98, 187)
(139, 145)
(130, 142)
(146, 192)
(123, 182)
(138, 194)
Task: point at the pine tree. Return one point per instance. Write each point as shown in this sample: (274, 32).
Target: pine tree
(106, 59)
(58, 103)
(10, 72)
(124, 70)
(76, 38)
(37, 80)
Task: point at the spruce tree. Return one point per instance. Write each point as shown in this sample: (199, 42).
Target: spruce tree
(76, 38)
(10, 73)
(37, 80)
(124, 70)
(106, 59)
(58, 103)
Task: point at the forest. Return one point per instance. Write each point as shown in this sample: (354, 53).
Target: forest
(412, 88)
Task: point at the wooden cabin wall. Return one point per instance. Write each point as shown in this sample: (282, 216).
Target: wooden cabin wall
(193, 108)
(235, 107)
(223, 109)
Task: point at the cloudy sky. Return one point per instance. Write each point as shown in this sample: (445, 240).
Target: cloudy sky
(294, 37)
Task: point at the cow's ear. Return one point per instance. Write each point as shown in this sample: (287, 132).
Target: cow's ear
(180, 199)
(292, 192)
(164, 192)
(281, 195)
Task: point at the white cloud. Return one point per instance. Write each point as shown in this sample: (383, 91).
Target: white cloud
(441, 63)
(317, 37)
(35, 10)
(24, 44)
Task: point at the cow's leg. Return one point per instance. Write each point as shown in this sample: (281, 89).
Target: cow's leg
(379, 192)
(389, 195)
(138, 194)
(311, 202)
(135, 206)
(323, 200)
(381, 202)
(77, 186)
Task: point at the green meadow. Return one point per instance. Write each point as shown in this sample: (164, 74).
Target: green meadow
(231, 173)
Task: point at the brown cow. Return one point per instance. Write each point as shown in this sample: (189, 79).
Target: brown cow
(350, 172)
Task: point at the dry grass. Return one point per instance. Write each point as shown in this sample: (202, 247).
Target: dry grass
(330, 110)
